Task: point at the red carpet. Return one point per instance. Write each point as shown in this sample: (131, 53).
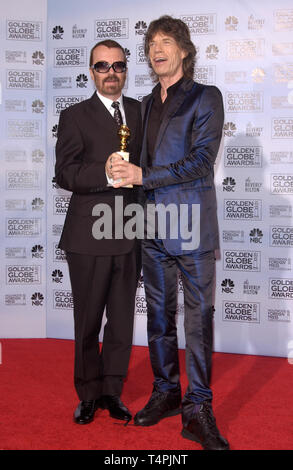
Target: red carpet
(252, 402)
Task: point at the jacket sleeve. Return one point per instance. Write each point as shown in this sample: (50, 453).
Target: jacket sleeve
(72, 172)
(206, 137)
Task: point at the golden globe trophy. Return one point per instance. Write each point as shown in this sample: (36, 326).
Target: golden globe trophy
(124, 134)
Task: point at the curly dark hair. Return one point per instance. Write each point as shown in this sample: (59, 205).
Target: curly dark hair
(179, 31)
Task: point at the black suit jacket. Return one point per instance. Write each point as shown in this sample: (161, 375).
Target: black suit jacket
(87, 135)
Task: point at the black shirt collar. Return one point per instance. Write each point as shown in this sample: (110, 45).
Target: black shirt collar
(171, 90)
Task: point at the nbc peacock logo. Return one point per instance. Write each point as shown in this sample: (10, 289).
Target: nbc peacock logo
(37, 299)
(57, 32)
(140, 28)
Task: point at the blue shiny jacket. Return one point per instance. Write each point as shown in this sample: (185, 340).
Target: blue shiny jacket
(183, 161)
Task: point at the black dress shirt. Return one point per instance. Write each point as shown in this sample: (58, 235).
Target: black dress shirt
(157, 113)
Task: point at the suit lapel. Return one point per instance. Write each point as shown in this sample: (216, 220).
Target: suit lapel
(131, 116)
(145, 116)
(101, 115)
(173, 108)
(175, 104)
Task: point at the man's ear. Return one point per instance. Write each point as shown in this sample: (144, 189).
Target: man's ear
(92, 74)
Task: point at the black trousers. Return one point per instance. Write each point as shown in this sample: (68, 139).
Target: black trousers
(100, 282)
(160, 281)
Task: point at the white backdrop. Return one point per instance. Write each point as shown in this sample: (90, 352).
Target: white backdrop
(246, 49)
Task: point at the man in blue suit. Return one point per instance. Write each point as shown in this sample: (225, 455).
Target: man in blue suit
(183, 123)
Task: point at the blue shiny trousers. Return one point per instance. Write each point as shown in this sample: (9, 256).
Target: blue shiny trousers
(160, 280)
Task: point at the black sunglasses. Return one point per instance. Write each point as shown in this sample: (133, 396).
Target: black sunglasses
(104, 67)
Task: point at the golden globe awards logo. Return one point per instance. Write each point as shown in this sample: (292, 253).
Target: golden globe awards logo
(19, 30)
(61, 204)
(281, 183)
(201, 23)
(281, 236)
(281, 289)
(244, 102)
(235, 260)
(62, 299)
(23, 79)
(23, 227)
(23, 274)
(116, 28)
(242, 209)
(140, 305)
(58, 254)
(24, 128)
(64, 102)
(237, 311)
(140, 55)
(238, 49)
(205, 74)
(70, 57)
(243, 156)
(282, 128)
(23, 179)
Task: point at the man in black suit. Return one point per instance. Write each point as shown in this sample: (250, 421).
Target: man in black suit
(183, 122)
(103, 270)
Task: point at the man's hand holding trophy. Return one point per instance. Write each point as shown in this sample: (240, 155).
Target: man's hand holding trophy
(124, 134)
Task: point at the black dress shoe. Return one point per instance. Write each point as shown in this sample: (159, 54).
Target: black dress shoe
(202, 428)
(160, 405)
(85, 411)
(115, 406)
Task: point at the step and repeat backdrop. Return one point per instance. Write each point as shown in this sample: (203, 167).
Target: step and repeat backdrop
(243, 47)
(23, 153)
